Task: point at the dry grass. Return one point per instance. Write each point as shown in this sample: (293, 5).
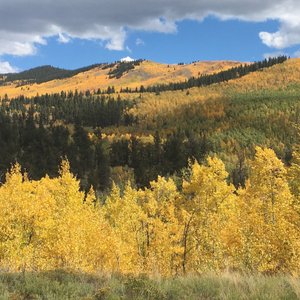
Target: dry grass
(63, 285)
(147, 73)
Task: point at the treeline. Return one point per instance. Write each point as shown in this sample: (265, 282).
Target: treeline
(25, 138)
(37, 132)
(40, 148)
(205, 80)
(69, 108)
(165, 156)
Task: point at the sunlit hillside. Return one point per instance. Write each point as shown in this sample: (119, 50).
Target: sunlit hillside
(283, 76)
(277, 77)
(147, 73)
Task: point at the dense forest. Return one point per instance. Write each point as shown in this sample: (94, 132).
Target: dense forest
(105, 141)
(39, 131)
(123, 67)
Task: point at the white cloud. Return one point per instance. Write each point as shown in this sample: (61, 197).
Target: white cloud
(24, 28)
(5, 68)
(63, 38)
(19, 44)
(116, 41)
(139, 42)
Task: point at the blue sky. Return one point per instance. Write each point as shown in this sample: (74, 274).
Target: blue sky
(75, 33)
(210, 39)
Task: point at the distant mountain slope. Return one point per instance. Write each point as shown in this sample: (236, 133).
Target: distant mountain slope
(120, 75)
(43, 74)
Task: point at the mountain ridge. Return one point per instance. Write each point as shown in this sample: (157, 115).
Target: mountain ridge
(44, 73)
(101, 76)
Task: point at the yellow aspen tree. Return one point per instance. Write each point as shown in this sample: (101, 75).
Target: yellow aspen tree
(293, 173)
(46, 225)
(26, 214)
(294, 178)
(210, 205)
(126, 218)
(83, 239)
(267, 217)
(162, 229)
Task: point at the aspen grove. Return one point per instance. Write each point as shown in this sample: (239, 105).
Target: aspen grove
(205, 224)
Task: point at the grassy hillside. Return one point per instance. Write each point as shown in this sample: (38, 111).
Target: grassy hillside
(147, 73)
(61, 285)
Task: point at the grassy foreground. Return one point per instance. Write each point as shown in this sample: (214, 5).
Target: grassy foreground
(62, 285)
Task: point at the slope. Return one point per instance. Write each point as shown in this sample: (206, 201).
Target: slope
(146, 73)
(284, 78)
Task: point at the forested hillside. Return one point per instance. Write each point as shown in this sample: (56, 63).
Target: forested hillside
(138, 136)
(174, 179)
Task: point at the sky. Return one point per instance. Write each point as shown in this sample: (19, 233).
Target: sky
(76, 33)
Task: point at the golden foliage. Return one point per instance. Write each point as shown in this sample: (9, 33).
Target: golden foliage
(47, 224)
(208, 225)
(146, 74)
(268, 232)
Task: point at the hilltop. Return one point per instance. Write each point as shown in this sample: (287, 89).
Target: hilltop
(47, 79)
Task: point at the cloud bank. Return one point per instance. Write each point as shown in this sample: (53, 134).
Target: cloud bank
(6, 68)
(25, 24)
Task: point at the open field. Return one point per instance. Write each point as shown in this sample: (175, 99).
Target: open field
(61, 285)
